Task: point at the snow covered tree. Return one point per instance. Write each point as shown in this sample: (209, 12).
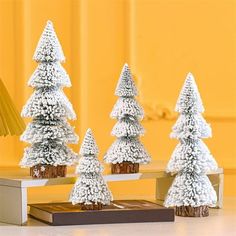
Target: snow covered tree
(49, 131)
(90, 190)
(191, 191)
(127, 152)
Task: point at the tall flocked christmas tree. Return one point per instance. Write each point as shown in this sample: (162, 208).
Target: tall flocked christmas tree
(90, 190)
(191, 191)
(49, 131)
(127, 152)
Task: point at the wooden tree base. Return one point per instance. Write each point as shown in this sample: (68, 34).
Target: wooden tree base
(93, 206)
(61, 171)
(200, 211)
(125, 167)
(47, 171)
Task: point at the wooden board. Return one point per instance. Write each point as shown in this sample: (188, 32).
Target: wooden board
(120, 211)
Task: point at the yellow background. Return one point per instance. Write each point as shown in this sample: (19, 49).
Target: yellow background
(161, 40)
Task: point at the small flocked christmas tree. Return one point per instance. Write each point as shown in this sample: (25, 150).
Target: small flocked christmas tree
(127, 152)
(49, 132)
(191, 191)
(90, 190)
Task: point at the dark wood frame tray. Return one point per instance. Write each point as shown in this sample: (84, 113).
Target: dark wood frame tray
(120, 211)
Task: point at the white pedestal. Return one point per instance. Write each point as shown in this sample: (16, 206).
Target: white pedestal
(13, 207)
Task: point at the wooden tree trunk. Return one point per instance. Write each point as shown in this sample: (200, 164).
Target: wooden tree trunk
(125, 167)
(47, 171)
(93, 206)
(200, 211)
(61, 171)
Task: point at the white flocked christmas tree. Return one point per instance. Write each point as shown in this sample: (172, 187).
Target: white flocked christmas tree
(90, 190)
(49, 132)
(191, 191)
(127, 152)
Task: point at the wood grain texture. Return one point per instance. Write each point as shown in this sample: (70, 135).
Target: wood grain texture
(188, 211)
(125, 167)
(92, 206)
(47, 171)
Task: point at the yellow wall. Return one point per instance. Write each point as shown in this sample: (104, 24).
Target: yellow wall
(161, 40)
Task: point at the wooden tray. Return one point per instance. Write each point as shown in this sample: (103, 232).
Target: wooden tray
(120, 211)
